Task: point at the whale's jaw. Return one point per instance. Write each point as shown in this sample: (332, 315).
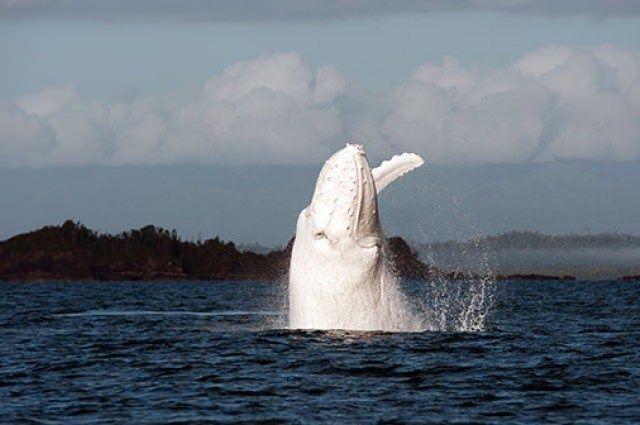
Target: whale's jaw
(345, 203)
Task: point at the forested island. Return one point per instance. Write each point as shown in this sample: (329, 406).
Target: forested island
(73, 252)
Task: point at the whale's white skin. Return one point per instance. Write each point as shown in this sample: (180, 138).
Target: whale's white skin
(338, 277)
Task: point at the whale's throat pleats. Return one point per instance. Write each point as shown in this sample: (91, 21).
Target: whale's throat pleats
(366, 223)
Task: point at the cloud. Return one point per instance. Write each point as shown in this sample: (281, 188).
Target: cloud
(273, 109)
(23, 138)
(300, 10)
(48, 101)
(554, 103)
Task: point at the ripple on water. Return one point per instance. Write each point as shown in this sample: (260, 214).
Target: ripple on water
(211, 353)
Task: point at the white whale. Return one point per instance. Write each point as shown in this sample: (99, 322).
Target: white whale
(339, 277)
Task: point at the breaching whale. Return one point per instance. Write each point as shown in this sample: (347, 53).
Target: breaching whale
(339, 277)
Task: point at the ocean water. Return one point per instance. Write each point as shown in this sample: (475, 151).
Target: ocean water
(199, 352)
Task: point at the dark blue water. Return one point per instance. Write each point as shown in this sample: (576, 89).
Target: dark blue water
(209, 353)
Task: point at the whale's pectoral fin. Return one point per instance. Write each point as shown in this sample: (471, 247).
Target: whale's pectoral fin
(397, 166)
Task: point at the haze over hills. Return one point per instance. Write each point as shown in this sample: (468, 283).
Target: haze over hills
(260, 203)
(585, 256)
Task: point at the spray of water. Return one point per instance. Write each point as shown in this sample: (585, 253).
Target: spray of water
(462, 300)
(442, 304)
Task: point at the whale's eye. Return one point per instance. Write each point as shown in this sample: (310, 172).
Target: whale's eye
(319, 234)
(370, 241)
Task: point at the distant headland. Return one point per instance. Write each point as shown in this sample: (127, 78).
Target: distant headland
(73, 252)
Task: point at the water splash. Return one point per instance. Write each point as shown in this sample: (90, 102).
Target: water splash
(458, 305)
(443, 304)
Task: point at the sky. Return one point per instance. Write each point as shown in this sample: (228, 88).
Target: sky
(466, 83)
(260, 203)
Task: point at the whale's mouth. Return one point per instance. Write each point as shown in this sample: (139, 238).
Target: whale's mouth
(345, 199)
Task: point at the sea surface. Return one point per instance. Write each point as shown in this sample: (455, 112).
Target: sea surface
(219, 352)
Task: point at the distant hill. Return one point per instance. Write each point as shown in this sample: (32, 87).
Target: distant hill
(74, 252)
(597, 256)
(537, 240)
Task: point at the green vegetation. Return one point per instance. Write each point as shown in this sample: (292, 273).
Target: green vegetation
(72, 251)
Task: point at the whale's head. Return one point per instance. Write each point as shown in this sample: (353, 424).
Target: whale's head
(342, 218)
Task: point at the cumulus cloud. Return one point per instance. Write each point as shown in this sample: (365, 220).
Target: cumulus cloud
(23, 138)
(554, 103)
(273, 109)
(283, 10)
